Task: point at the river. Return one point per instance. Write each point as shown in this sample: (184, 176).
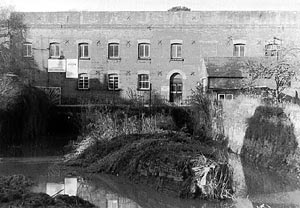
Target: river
(254, 187)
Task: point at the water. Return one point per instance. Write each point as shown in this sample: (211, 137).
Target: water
(254, 188)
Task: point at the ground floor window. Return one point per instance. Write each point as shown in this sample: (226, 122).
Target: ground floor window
(225, 96)
(143, 82)
(83, 82)
(113, 81)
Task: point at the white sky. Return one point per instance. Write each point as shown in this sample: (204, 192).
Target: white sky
(150, 5)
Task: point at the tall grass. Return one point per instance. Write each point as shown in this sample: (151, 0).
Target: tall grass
(206, 116)
(235, 115)
(105, 125)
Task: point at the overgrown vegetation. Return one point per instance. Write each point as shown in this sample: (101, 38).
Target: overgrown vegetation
(23, 112)
(15, 192)
(169, 162)
(173, 149)
(277, 72)
(269, 137)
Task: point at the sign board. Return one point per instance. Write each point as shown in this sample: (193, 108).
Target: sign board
(56, 65)
(72, 68)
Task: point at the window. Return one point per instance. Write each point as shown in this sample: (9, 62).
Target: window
(113, 50)
(54, 50)
(272, 49)
(176, 50)
(113, 81)
(83, 82)
(239, 50)
(143, 82)
(225, 96)
(112, 203)
(144, 51)
(27, 49)
(83, 50)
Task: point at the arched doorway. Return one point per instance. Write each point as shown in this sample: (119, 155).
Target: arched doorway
(176, 88)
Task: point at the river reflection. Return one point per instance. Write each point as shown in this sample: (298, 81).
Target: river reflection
(254, 188)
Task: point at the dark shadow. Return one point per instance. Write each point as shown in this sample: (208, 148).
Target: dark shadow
(29, 123)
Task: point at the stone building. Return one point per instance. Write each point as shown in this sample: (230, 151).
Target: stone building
(88, 57)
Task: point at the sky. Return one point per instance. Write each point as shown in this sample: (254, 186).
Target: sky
(149, 5)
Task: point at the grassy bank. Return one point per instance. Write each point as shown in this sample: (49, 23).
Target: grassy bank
(15, 192)
(177, 151)
(169, 162)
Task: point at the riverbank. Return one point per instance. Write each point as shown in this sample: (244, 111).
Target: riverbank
(15, 192)
(170, 162)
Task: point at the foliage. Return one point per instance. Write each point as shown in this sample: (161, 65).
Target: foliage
(206, 116)
(174, 159)
(15, 192)
(235, 114)
(269, 137)
(12, 30)
(179, 8)
(105, 125)
(24, 108)
(281, 70)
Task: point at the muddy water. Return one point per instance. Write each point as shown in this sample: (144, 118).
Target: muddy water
(254, 187)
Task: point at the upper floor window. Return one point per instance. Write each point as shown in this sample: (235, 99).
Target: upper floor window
(144, 51)
(143, 82)
(272, 49)
(176, 51)
(113, 50)
(83, 50)
(239, 50)
(83, 82)
(54, 50)
(273, 46)
(113, 81)
(27, 49)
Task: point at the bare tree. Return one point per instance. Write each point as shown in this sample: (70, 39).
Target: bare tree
(12, 30)
(280, 69)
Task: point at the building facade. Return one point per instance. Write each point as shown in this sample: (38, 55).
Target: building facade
(105, 56)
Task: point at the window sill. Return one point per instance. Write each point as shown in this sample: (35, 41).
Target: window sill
(144, 60)
(143, 89)
(112, 90)
(83, 58)
(114, 59)
(85, 89)
(177, 59)
(57, 57)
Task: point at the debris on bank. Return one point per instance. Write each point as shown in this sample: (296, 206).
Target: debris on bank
(168, 162)
(15, 192)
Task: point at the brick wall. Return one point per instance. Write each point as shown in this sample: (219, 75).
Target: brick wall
(202, 34)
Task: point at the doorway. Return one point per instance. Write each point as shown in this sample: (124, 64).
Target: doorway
(176, 88)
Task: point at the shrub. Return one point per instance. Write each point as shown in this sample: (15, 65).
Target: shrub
(206, 115)
(269, 137)
(23, 113)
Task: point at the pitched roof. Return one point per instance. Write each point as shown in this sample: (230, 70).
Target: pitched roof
(224, 67)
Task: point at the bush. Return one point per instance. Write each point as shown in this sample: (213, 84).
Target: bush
(23, 114)
(269, 137)
(206, 115)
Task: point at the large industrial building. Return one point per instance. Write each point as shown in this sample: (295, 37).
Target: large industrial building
(100, 57)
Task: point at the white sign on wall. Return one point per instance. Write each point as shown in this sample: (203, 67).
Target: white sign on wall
(72, 68)
(56, 65)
